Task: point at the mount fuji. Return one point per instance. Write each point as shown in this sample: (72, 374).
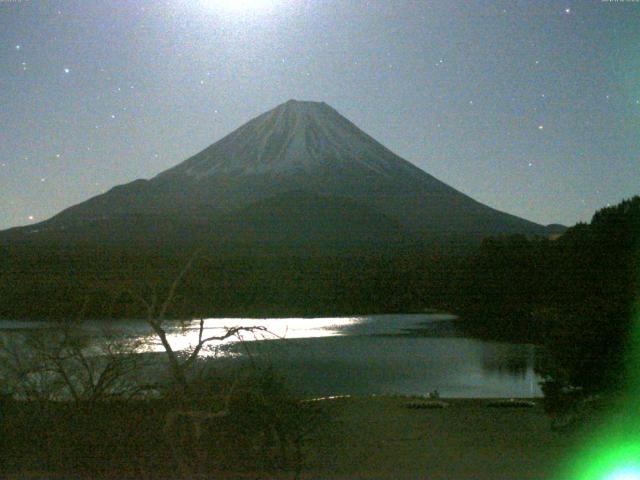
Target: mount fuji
(299, 175)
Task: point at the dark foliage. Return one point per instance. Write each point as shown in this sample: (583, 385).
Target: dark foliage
(51, 283)
(267, 429)
(574, 295)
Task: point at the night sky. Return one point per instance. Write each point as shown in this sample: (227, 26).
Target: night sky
(530, 107)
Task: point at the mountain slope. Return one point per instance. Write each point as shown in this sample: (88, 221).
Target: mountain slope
(302, 220)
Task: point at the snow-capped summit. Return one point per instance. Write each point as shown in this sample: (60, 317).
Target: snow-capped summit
(294, 137)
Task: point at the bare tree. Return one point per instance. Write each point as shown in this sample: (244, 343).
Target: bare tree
(260, 418)
(181, 363)
(65, 362)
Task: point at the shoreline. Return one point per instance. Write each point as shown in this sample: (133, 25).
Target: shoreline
(458, 328)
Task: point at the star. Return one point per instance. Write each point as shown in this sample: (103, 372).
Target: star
(30, 217)
(567, 11)
(18, 47)
(43, 179)
(57, 155)
(66, 70)
(540, 127)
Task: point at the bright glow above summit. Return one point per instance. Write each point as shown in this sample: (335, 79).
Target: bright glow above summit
(248, 6)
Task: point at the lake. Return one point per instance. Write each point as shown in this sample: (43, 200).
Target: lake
(361, 355)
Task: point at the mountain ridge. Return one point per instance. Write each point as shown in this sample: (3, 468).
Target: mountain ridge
(298, 146)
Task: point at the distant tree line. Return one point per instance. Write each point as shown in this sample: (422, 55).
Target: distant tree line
(56, 283)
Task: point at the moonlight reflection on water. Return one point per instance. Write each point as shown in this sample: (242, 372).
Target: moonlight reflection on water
(353, 355)
(183, 336)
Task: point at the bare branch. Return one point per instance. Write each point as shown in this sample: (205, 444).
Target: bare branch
(174, 285)
(231, 332)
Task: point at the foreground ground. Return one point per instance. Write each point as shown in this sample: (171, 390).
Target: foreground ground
(383, 438)
(380, 438)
